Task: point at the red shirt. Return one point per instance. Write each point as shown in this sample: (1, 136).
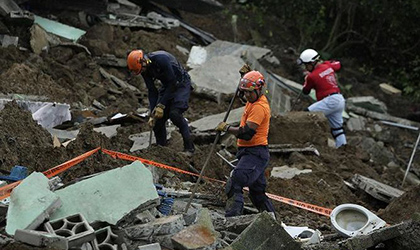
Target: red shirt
(323, 79)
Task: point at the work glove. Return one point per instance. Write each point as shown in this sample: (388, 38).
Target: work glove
(158, 111)
(245, 69)
(222, 127)
(151, 122)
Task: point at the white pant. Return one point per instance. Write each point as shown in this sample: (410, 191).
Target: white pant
(333, 106)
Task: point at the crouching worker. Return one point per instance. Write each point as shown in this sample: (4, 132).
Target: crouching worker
(171, 100)
(253, 155)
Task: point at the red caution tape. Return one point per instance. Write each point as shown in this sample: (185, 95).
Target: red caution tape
(127, 157)
(5, 191)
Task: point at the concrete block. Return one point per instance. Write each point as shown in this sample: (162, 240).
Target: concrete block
(378, 190)
(145, 217)
(286, 172)
(376, 237)
(236, 224)
(195, 237)
(41, 239)
(198, 236)
(162, 226)
(106, 238)
(74, 228)
(31, 203)
(265, 233)
(110, 196)
(210, 122)
(389, 89)
(154, 246)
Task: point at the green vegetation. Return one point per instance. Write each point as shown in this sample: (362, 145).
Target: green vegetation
(382, 34)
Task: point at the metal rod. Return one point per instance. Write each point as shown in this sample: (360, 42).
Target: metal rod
(411, 159)
(211, 152)
(225, 160)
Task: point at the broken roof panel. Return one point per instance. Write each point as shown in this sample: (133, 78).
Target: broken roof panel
(59, 29)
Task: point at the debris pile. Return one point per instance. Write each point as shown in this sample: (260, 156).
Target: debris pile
(74, 123)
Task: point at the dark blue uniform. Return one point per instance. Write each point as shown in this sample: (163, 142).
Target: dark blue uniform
(174, 94)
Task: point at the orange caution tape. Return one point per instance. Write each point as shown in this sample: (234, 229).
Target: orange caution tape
(299, 204)
(5, 191)
(312, 208)
(127, 157)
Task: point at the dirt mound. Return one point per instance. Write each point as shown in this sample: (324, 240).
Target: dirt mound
(299, 128)
(22, 79)
(24, 142)
(403, 207)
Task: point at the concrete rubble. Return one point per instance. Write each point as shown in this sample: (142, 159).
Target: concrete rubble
(376, 189)
(31, 203)
(101, 201)
(121, 209)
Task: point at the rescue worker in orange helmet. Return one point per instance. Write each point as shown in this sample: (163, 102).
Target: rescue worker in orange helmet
(253, 155)
(171, 100)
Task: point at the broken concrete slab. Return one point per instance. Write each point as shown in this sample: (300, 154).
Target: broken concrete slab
(123, 6)
(179, 206)
(223, 48)
(108, 131)
(41, 239)
(162, 226)
(265, 233)
(59, 29)
(39, 40)
(198, 236)
(111, 60)
(368, 103)
(6, 41)
(376, 189)
(142, 140)
(375, 237)
(130, 20)
(218, 73)
(356, 123)
(118, 82)
(288, 148)
(389, 89)
(236, 224)
(154, 246)
(286, 172)
(216, 66)
(211, 122)
(31, 203)
(110, 196)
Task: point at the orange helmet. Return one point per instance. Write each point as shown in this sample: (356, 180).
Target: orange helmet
(251, 81)
(134, 61)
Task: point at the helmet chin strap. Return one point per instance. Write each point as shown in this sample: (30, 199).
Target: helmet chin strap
(257, 94)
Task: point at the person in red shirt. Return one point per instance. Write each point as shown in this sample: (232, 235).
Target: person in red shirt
(253, 155)
(330, 101)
